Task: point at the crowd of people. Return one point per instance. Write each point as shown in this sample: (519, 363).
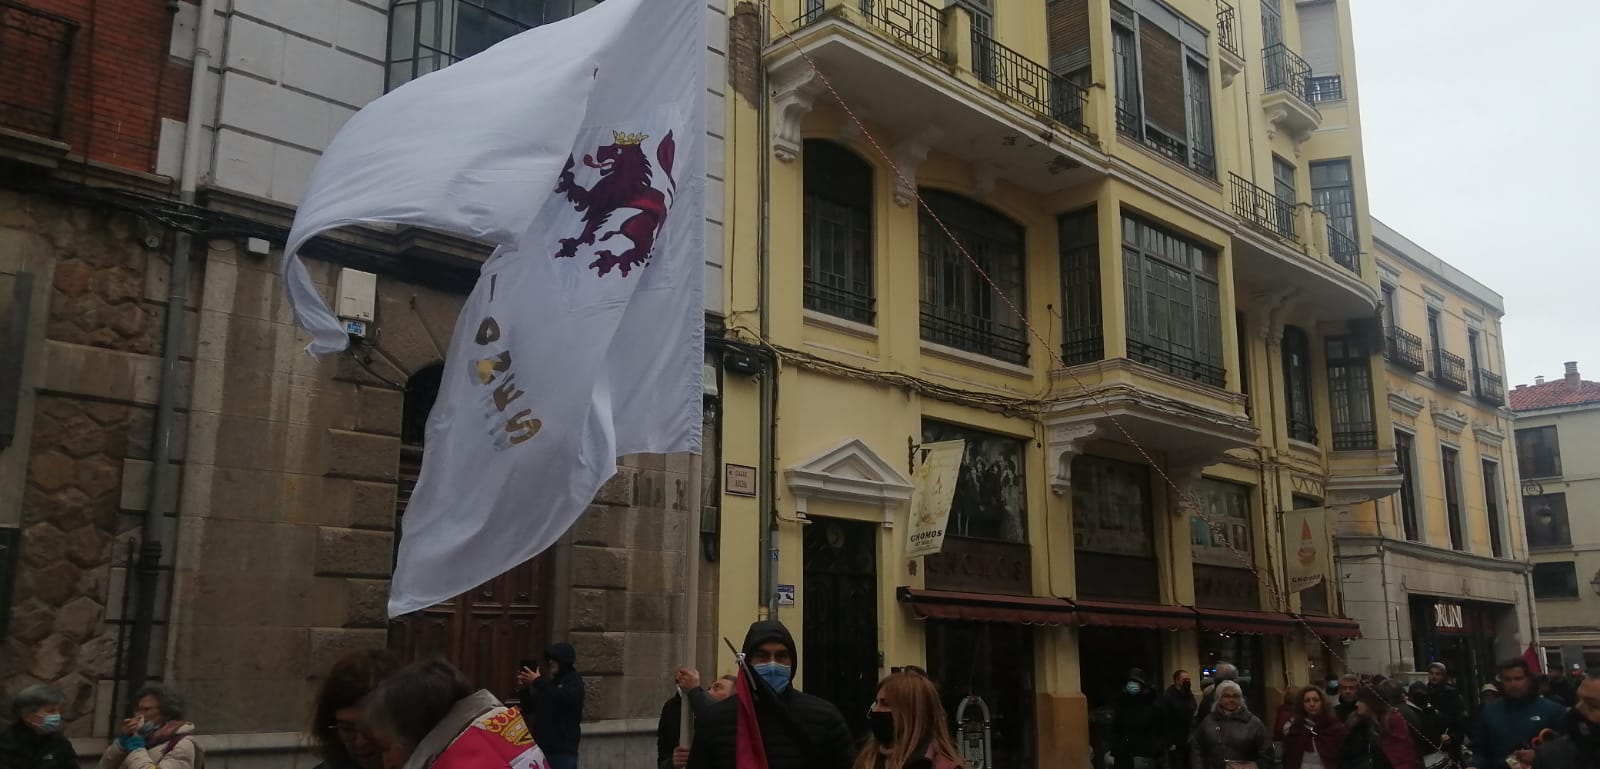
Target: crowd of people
(374, 713)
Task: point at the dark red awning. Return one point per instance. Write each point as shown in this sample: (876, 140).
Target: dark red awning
(984, 607)
(1337, 628)
(1247, 622)
(1135, 615)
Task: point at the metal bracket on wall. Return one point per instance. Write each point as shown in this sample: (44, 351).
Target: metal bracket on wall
(13, 347)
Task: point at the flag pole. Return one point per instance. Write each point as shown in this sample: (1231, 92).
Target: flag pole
(691, 596)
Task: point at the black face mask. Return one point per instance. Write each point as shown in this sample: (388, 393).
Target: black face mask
(1186, 686)
(882, 723)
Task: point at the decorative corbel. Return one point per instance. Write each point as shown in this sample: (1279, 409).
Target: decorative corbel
(792, 100)
(908, 157)
(1273, 306)
(1066, 443)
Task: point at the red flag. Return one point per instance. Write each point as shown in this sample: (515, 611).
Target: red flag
(749, 751)
(1534, 659)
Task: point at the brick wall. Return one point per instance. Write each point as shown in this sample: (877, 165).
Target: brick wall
(122, 79)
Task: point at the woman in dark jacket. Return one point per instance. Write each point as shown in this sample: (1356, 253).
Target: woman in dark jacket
(1313, 738)
(1379, 736)
(34, 740)
(1229, 734)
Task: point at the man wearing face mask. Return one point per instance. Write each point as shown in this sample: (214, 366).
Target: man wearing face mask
(34, 740)
(798, 730)
(1141, 736)
(1177, 713)
(552, 705)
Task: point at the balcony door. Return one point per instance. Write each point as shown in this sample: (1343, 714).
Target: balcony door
(1435, 338)
(1272, 22)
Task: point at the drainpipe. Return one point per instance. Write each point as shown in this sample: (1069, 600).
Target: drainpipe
(768, 604)
(161, 486)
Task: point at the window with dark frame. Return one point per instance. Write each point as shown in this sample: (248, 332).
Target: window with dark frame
(429, 35)
(960, 309)
(1083, 325)
(1163, 85)
(990, 500)
(1491, 501)
(1355, 424)
(838, 232)
(1538, 452)
(1333, 193)
(1545, 519)
(1113, 530)
(1283, 188)
(1174, 307)
(1406, 461)
(1225, 505)
(1555, 580)
(1450, 460)
(1299, 408)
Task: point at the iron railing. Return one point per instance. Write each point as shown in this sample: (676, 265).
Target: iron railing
(975, 334)
(1177, 365)
(1354, 436)
(913, 23)
(1325, 88)
(1345, 250)
(36, 57)
(1450, 370)
(1285, 71)
(1023, 80)
(1491, 388)
(1227, 29)
(1404, 349)
(838, 302)
(1086, 350)
(1262, 209)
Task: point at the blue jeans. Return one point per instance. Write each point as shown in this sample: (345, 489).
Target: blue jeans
(562, 760)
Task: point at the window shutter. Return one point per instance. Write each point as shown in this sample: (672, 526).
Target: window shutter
(1319, 35)
(1068, 21)
(1162, 64)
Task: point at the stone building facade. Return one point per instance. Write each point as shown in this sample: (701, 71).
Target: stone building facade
(290, 472)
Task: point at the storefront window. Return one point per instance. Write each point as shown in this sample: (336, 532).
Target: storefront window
(1244, 651)
(995, 662)
(1112, 530)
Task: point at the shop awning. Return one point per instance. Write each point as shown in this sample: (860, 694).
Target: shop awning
(1337, 628)
(1247, 622)
(1144, 616)
(984, 607)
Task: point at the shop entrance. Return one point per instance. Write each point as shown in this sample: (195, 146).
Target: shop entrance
(840, 654)
(1460, 635)
(993, 661)
(1105, 654)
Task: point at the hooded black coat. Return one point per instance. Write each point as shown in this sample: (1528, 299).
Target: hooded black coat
(799, 731)
(553, 705)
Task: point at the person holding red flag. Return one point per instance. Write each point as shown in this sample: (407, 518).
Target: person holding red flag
(768, 723)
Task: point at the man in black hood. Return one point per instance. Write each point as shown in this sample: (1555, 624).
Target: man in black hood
(552, 705)
(798, 730)
(1177, 708)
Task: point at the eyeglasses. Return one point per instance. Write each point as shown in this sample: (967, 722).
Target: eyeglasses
(347, 731)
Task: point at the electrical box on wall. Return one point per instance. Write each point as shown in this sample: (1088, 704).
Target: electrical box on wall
(358, 298)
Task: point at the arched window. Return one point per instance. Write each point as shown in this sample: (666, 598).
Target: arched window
(959, 308)
(427, 35)
(838, 232)
(1297, 385)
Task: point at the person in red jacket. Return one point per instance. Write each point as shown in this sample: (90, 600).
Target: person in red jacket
(1313, 738)
(1379, 736)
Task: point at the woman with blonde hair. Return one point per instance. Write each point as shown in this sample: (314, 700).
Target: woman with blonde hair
(909, 729)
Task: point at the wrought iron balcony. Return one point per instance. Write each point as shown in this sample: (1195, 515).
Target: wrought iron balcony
(914, 24)
(1355, 436)
(1404, 349)
(1227, 28)
(36, 54)
(1177, 365)
(972, 333)
(1345, 250)
(1325, 88)
(1450, 370)
(1491, 388)
(1262, 209)
(1286, 71)
(1027, 82)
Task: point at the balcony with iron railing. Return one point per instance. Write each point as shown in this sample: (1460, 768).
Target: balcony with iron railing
(1282, 243)
(1229, 54)
(1403, 349)
(35, 57)
(1489, 387)
(1450, 370)
(1287, 97)
(1344, 250)
(951, 85)
(1263, 210)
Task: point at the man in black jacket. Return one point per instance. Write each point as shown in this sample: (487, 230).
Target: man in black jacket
(668, 754)
(1580, 748)
(552, 705)
(799, 731)
(1141, 734)
(1177, 708)
(1450, 707)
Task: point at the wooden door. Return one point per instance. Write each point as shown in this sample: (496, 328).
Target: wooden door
(840, 656)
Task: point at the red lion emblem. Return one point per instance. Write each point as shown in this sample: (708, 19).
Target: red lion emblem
(625, 175)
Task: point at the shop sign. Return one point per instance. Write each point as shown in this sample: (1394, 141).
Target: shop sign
(1219, 588)
(980, 566)
(1449, 616)
(933, 489)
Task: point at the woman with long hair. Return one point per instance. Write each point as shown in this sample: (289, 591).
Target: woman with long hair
(342, 739)
(909, 729)
(1379, 736)
(1312, 737)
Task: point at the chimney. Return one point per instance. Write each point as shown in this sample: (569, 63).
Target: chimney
(1572, 373)
(1538, 380)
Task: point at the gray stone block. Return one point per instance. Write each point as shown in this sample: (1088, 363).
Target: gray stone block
(366, 603)
(617, 491)
(602, 526)
(588, 611)
(653, 611)
(600, 653)
(353, 553)
(361, 455)
(372, 505)
(379, 410)
(599, 567)
(326, 645)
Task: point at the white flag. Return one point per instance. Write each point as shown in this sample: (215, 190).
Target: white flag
(580, 148)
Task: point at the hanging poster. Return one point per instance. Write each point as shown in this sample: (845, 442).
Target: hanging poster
(1307, 547)
(933, 489)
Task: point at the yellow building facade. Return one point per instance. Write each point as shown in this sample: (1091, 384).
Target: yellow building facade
(1438, 572)
(1119, 249)
(1558, 442)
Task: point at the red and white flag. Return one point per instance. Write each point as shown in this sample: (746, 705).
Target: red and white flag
(749, 751)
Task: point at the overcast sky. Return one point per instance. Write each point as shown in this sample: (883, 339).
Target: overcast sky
(1482, 127)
